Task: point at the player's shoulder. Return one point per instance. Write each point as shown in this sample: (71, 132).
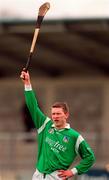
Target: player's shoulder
(74, 133)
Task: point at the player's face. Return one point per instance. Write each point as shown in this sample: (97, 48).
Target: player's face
(59, 117)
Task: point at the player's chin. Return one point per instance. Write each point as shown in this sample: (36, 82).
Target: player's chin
(57, 123)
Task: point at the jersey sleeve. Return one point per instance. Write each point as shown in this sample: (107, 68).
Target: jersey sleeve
(87, 157)
(37, 115)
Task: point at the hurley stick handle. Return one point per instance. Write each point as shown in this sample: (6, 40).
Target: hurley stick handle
(42, 11)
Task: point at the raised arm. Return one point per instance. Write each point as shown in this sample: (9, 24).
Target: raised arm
(31, 101)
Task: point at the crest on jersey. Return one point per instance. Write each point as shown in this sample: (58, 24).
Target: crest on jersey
(51, 131)
(66, 139)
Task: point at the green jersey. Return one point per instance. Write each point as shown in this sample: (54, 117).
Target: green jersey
(57, 149)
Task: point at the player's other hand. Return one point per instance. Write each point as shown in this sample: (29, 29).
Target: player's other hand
(64, 174)
(25, 77)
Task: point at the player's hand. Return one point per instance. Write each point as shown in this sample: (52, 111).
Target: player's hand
(64, 174)
(25, 77)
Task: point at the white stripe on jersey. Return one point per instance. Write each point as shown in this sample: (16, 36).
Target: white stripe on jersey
(43, 125)
(78, 142)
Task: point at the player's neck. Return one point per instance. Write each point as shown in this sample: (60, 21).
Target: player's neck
(60, 127)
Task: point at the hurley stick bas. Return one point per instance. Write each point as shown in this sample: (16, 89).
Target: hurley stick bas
(42, 11)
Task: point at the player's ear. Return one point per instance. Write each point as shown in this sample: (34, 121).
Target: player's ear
(67, 114)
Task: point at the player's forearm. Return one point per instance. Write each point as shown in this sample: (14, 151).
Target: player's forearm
(87, 157)
(31, 101)
(85, 164)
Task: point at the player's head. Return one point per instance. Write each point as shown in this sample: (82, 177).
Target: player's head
(60, 113)
(62, 105)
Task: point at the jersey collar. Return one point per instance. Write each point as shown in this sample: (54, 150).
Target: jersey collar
(66, 127)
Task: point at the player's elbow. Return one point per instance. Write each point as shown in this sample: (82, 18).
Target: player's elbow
(93, 159)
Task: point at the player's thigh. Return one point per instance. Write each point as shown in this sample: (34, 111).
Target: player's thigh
(37, 176)
(54, 176)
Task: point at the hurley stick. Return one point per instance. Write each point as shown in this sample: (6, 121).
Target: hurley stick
(42, 11)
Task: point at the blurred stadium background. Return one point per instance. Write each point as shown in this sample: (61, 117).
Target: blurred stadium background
(71, 64)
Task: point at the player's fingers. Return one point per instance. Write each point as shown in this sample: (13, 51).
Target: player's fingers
(61, 170)
(26, 74)
(63, 177)
(22, 76)
(61, 174)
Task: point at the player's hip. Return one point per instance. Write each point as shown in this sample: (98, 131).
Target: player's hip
(40, 176)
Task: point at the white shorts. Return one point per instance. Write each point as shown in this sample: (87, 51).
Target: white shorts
(40, 176)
